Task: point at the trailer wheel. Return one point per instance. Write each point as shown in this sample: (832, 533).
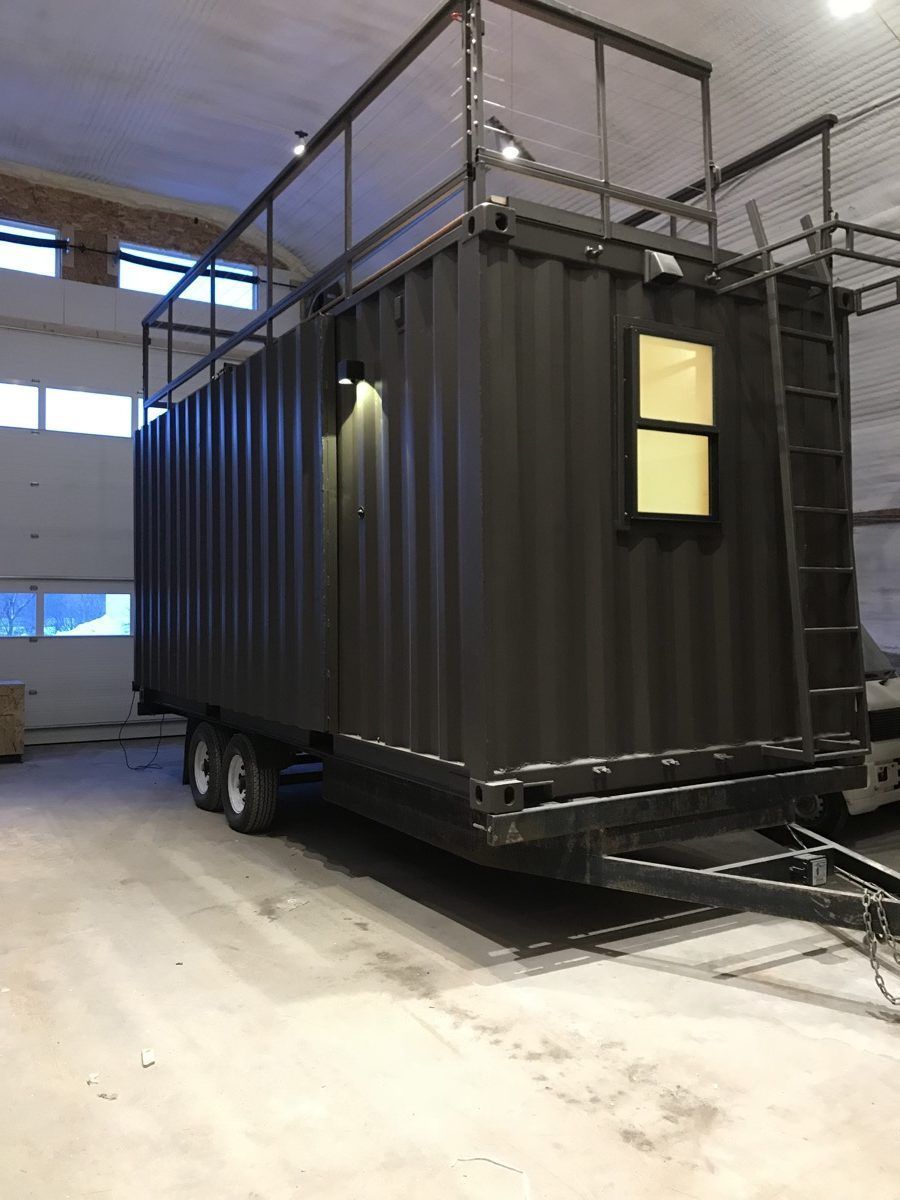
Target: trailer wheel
(206, 750)
(826, 814)
(249, 787)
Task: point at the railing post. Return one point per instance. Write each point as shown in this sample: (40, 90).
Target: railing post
(826, 186)
(169, 319)
(602, 129)
(212, 318)
(348, 207)
(145, 359)
(270, 256)
(473, 61)
(709, 173)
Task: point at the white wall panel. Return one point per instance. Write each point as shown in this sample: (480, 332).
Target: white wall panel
(66, 498)
(76, 688)
(65, 505)
(71, 681)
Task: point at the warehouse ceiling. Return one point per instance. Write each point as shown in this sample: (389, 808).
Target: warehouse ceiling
(197, 99)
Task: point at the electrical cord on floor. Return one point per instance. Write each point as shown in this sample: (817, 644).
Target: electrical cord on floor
(152, 763)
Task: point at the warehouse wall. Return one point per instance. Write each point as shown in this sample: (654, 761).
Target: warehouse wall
(95, 221)
(65, 502)
(66, 498)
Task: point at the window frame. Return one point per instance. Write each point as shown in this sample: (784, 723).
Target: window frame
(18, 587)
(84, 588)
(29, 383)
(137, 410)
(27, 228)
(632, 331)
(88, 391)
(42, 586)
(188, 261)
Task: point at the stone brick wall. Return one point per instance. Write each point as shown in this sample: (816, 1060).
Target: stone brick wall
(97, 224)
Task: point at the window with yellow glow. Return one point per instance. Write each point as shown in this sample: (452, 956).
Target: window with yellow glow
(676, 380)
(673, 473)
(674, 430)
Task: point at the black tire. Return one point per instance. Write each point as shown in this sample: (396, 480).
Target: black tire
(249, 786)
(826, 814)
(205, 754)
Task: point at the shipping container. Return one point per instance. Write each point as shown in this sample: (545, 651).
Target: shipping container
(537, 535)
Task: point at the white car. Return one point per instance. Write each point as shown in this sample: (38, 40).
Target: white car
(828, 814)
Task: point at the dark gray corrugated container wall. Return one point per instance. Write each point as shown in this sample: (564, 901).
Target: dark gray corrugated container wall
(439, 561)
(230, 560)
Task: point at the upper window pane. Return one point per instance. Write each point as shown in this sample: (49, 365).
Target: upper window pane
(18, 614)
(673, 473)
(19, 405)
(159, 279)
(36, 260)
(88, 412)
(676, 380)
(87, 614)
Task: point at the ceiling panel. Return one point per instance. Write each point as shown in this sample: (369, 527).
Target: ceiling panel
(197, 99)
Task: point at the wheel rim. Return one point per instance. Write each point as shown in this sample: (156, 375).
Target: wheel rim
(810, 808)
(236, 783)
(201, 767)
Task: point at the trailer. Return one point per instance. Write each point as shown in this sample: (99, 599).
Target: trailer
(533, 529)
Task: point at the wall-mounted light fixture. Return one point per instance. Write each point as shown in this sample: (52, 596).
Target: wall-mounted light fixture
(351, 370)
(300, 144)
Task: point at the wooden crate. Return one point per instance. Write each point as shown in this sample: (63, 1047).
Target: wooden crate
(12, 718)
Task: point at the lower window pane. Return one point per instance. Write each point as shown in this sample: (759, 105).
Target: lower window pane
(672, 473)
(88, 412)
(18, 614)
(87, 614)
(19, 405)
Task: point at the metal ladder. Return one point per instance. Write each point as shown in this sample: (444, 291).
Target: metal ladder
(808, 637)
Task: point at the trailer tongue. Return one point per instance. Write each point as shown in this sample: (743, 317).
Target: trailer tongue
(798, 884)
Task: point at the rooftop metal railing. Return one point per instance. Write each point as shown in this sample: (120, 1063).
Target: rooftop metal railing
(820, 239)
(827, 241)
(467, 181)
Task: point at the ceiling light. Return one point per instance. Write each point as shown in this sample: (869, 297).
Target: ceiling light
(510, 150)
(848, 8)
(300, 144)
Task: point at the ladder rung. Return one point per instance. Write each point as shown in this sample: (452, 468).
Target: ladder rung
(807, 335)
(779, 751)
(816, 450)
(797, 752)
(814, 508)
(834, 691)
(817, 393)
(831, 629)
(822, 756)
(830, 570)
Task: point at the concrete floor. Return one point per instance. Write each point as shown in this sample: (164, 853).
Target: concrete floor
(339, 1012)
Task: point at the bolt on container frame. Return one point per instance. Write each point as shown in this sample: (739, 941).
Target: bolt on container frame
(447, 534)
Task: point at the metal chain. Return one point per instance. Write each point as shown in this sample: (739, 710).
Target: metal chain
(878, 931)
